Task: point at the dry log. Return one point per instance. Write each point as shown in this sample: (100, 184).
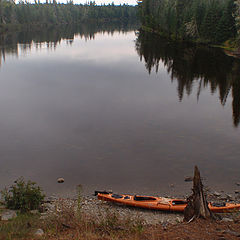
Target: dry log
(197, 206)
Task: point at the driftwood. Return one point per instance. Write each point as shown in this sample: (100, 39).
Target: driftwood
(197, 206)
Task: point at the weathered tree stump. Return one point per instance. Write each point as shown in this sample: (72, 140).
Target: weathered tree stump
(197, 206)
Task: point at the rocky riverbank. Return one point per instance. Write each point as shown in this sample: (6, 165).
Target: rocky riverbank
(91, 206)
(86, 217)
(100, 210)
(97, 209)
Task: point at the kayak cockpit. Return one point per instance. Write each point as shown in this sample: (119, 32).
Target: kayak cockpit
(117, 196)
(179, 202)
(217, 204)
(135, 197)
(144, 198)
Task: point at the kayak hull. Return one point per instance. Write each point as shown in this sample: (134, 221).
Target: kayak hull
(161, 203)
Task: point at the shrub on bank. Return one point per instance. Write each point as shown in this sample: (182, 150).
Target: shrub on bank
(23, 196)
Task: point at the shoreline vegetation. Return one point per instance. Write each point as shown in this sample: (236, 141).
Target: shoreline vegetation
(229, 46)
(64, 219)
(214, 23)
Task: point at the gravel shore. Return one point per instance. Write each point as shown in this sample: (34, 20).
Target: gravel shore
(94, 206)
(101, 209)
(98, 209)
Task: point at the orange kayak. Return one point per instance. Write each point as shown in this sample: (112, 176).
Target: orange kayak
(161, 203)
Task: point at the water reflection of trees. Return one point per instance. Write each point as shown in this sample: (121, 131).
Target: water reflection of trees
(193, 66)
(11, 43)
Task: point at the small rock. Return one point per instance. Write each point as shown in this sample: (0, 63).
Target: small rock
(172, 185)
(210, 195)
(39, 232)
(60, 180)
(164, 224)
(227, 220)
(207, 189)
(34, 211)
(237, 191)
(2, 206)
(221, 238)
(229, 196)
(48, 207)
(217, 194)
(238, 183)
(43, 216)
(9, 214)
(236, 234)
(178, 219)
(50, 199)
(188, 179)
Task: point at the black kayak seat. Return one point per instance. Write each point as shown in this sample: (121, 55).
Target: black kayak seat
(117, 196)
(144, 198)
(179, 202)
(223, 204)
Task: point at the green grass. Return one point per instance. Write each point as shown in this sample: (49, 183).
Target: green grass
(109, 226)
(19, 228)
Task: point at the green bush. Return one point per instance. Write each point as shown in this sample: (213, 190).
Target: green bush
(23, 196)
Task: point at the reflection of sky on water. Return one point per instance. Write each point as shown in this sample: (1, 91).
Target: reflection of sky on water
(92, 114)
(102, 47)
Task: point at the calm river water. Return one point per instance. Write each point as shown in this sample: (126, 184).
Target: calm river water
(117, 109)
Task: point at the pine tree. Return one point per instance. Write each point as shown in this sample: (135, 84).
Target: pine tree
(226, 27)
(211, 19)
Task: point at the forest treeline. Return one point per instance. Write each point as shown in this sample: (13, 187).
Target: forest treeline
(51, 12)
(210, 21)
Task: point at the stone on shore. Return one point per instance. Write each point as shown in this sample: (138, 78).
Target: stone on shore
(34, 211)
(8, 215)
(39, 232)
(229, 197)
(217, 194)
(48, 207)
(188, 179)
(225, 219)
(60, 180)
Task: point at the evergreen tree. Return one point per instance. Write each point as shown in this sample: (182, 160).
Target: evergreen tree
(226, 27)
(210, 21)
